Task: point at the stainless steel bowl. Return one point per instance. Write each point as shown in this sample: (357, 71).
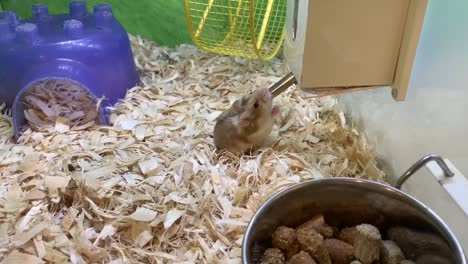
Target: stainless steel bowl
(347, 202)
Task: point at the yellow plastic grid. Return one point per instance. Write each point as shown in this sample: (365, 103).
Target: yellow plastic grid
(244, 28)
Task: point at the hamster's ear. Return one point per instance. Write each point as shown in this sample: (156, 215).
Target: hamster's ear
(237, 104)
(275, 111)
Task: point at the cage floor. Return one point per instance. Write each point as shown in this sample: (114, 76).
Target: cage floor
(151, 188)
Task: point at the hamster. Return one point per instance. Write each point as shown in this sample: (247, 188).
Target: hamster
(246, 124)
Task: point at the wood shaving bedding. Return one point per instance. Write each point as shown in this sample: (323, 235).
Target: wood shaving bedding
(58, 105)
(151, 188)
(6, 123)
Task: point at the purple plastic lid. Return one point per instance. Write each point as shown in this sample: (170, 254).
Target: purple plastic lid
(102, 7)
(73, 28)
(40, 12)
(92, 50)
(103, 19)
(27, 33)
(77, 9)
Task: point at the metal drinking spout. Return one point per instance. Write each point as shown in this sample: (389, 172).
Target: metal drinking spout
(283, 84)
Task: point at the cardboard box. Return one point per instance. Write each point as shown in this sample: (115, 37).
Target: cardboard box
(339, 46)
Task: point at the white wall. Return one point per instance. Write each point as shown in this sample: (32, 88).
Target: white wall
(434, 117)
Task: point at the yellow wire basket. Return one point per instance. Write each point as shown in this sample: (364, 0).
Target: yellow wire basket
(244, 28)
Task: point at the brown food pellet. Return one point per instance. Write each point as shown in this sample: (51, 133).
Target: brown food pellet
(367, 243)
(318, 224)
(390, 252)
(348, 235)
(309, 240)
(415, 243)
(312, 242)
(273, 256)
(302, 258)
(315, 242)
(293, 250)
(283, 238)
(340, 252)
(370, 230)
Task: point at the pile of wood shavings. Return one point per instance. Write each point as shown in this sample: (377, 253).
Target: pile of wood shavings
(6, 123)
(59, 105)
(151, 188)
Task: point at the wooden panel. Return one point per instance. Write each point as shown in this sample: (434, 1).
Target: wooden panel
(352, 43)
(409, 44)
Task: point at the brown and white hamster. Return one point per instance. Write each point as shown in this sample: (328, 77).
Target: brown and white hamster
(246, 124)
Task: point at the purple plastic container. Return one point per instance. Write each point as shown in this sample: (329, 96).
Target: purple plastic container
(92, 50)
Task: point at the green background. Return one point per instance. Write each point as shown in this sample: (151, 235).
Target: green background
(160, 20)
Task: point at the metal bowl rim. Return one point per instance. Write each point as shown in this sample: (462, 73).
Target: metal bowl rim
(353, 181)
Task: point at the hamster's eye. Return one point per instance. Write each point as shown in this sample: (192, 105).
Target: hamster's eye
(256, 105)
